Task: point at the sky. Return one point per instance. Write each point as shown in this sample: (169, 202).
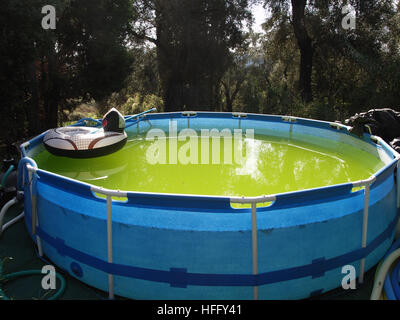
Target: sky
(259, 14)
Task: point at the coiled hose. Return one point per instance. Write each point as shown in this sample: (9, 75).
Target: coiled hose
(4, 179)
(26, 273)
(387, 276)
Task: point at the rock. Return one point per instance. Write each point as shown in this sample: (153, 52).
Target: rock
(384, 123)
(395, 143)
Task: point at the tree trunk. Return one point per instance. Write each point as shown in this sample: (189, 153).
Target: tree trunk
(33, 109)
(187, 81)
(230, 95)
(51, 94)
(306, 49)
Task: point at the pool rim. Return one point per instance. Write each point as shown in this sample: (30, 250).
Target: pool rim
(376, 141)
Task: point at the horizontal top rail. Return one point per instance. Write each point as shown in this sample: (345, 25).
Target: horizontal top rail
(108, 192)
(363, 183)
(289, 119)
(268, 198)
(239, 115)
(236, 200)
(189, 113)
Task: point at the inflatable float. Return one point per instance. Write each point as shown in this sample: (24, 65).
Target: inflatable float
(88, 142)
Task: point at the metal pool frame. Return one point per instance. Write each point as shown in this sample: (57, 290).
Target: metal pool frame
(28, 173)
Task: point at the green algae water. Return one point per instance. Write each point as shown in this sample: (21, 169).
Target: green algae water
(269, 165)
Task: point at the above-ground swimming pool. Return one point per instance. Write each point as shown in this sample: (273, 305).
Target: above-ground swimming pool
(221, 206)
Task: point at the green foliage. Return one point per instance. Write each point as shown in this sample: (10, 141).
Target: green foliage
(135, 103)
(353, 70)
(138, 103)
(83, 110)
(44, 72)
(193, 41)
(92, 35)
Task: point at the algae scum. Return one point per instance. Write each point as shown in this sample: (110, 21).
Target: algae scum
(259, 166)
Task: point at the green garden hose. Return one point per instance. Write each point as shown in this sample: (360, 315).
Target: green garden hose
(4, 179)
(25, 273)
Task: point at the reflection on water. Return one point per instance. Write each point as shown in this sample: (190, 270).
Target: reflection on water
(271, 165)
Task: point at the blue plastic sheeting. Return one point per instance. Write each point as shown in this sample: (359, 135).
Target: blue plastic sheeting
(384, 173)
(150, 243)
(194, 212)
(315, 269)
(199, 247)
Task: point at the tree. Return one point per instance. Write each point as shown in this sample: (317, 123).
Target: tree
(306, 48)
(193, 40)
(280, 12)
(348, 70)
(233, 79)
(356, 69)
(92, 39)
(44, 71)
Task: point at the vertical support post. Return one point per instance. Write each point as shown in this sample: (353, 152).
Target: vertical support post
(254, 244)
(35, 220)
(397, 232)
(33, 202)
(398, 183)
(364, 230)
(109, 247)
